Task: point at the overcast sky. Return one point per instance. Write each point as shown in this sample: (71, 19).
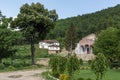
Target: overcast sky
(64, 8)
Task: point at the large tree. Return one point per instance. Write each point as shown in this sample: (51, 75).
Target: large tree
(35, 21)
(108, 43)
(7, 38)
(70, 39)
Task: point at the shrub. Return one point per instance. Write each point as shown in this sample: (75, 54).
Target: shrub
(80, 79)
(55, 74)
(89, 62)
(2, 66)
(72, 64)
(58, 65)
(88, 79)
(81, 62)
(64, 77)
(11, 68)
(99, 66)
(84, 67)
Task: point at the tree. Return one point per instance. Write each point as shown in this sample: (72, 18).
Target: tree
(70, 39)
(108, 43)
(72, 64)
(58, 65)
(35, 21)
(6, 39)
(99, 66)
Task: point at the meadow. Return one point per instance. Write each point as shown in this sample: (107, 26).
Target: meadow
(22, 58)
(110, 75)
(87, 74)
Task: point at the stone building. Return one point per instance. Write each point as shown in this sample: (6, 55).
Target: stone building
(85, 47)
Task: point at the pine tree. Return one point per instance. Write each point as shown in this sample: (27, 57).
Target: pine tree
(70, 39)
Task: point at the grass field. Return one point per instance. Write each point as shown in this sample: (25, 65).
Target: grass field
(22, 58)
(110, 75)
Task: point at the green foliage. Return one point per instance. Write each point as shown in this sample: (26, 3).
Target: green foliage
(81, 61)
(108, 43)
(64, 77)
(72, 64)
(88, 79)
(112, 74)
(11, 68)
(61, 65)
(7, 39)
(89, 62)
(58, 65)
(99, 66)
(35, 22)
(2, 66)
(54, 66)
(22, 58)
(88, 23)
(70, 38)
(80, 79)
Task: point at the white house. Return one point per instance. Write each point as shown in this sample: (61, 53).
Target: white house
(85, 47)
(53, 46)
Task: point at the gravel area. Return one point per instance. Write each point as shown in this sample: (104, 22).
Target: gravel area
(23, 75)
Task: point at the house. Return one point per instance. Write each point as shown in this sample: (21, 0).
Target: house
(53, 46)
(85, 47)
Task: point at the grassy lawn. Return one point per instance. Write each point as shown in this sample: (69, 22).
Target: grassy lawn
(110, 75)
(22, 58)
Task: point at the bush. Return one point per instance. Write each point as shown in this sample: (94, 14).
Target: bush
(81, 62)
(10, 68)
(89, 62)
(64, 77)
(7, 62)
(84, 67)
(115, 65)
(88, 79)
(58, 65)
(72, 64)
(55, 74)
(80, 79)
(2, 66)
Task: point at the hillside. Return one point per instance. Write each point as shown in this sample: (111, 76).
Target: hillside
(88, 23)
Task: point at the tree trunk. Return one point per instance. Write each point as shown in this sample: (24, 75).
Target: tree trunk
(32, 50)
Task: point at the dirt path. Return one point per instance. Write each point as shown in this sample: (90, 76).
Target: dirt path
(23, 75)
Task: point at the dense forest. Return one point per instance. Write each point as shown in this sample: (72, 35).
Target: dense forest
(87, 23)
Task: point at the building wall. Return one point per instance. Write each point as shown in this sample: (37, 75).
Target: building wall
(43, 45)
(84, 49)
(47, 46)
(53, 48)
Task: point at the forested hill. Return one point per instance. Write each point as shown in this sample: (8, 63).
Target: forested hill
(88, 23)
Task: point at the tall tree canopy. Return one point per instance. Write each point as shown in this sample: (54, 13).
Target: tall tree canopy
(108, 43)
(35, 21)
(7, 38)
